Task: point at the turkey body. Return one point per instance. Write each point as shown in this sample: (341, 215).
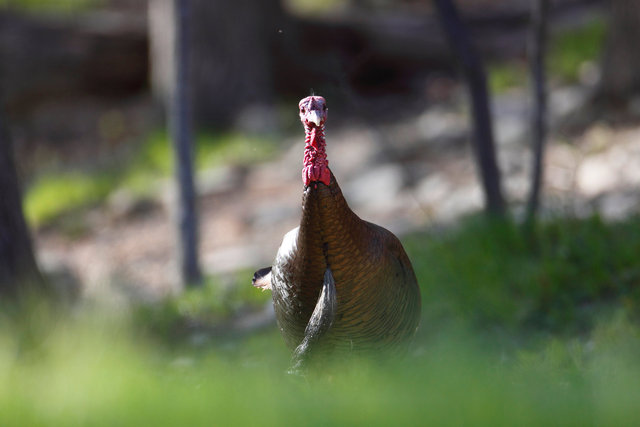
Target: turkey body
(378, 299)
(338, 283)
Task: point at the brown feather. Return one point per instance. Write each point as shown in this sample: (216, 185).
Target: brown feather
(378, 299)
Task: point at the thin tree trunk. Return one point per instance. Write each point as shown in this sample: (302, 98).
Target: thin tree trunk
(537, 46)
(18, 268)
(474, 73)
(181, 132)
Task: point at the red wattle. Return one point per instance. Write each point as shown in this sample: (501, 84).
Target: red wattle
(315, 165)
(312, 173)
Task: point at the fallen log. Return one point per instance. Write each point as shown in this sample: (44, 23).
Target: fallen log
(101, 53)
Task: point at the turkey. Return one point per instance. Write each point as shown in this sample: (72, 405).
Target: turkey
(338, 283)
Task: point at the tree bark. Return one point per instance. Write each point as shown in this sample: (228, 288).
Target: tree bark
(18, 268)
(182, 136)
(475, 76)
(621, 61)
(537, 46)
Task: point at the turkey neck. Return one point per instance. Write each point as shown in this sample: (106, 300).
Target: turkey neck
(327, 222)
(322, 201)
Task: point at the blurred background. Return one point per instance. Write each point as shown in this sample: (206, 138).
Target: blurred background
(90, 95)
(85, 85)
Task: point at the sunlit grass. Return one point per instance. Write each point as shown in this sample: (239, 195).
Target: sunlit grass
(48, 6)
(567, 52)
(52, 194)
(506, 75)
(305, 7)
(211, 150)
(91, 373)
(56, 193)
(570, 49)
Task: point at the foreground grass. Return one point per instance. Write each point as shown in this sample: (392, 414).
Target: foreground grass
(516, 330)
(88, 373)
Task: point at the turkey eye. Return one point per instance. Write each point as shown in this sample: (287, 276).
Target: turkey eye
(302, 110)
(324, 108)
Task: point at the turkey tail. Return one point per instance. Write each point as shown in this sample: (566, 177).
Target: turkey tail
(320, 322)
(262, 278)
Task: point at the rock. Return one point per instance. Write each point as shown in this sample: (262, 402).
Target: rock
(257, 119)
(433, 189)
(350, 153)
(219, 180)
(267, 177)
(619, 204)
(596, 174)
(271, 213)
(446, 201)
(510, 115)
(232, 258)
(377, 187)
(464, 200)
(125, 204)
(565, 101)
(439, 123)
(66, 285)
(510, 130)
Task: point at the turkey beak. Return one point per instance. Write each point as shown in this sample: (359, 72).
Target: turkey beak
(314, 117)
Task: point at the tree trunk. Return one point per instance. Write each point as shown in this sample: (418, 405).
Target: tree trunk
(231, 61)
(474, 73)
(621, 62)
(182, 137)
(18, 268)
(537, 46)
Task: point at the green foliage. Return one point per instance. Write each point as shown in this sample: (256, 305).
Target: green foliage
(503, 76)
(233, 148)
(50, 195)
(568, 50)
(211, 150)
(306, 7)
(58, 6)
(213, 303)
(54, 194)
(495, 274)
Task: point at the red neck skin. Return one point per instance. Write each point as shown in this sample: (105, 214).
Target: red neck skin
(315, 166)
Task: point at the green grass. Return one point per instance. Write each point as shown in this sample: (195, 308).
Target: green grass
(567, 51)
(515, 331)
(554, 282)
(51, 195)
(95, 373)
(503, 76)
(57, 6)
(308, 7)
(570, 49)
(57, 193)
(213, 303)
